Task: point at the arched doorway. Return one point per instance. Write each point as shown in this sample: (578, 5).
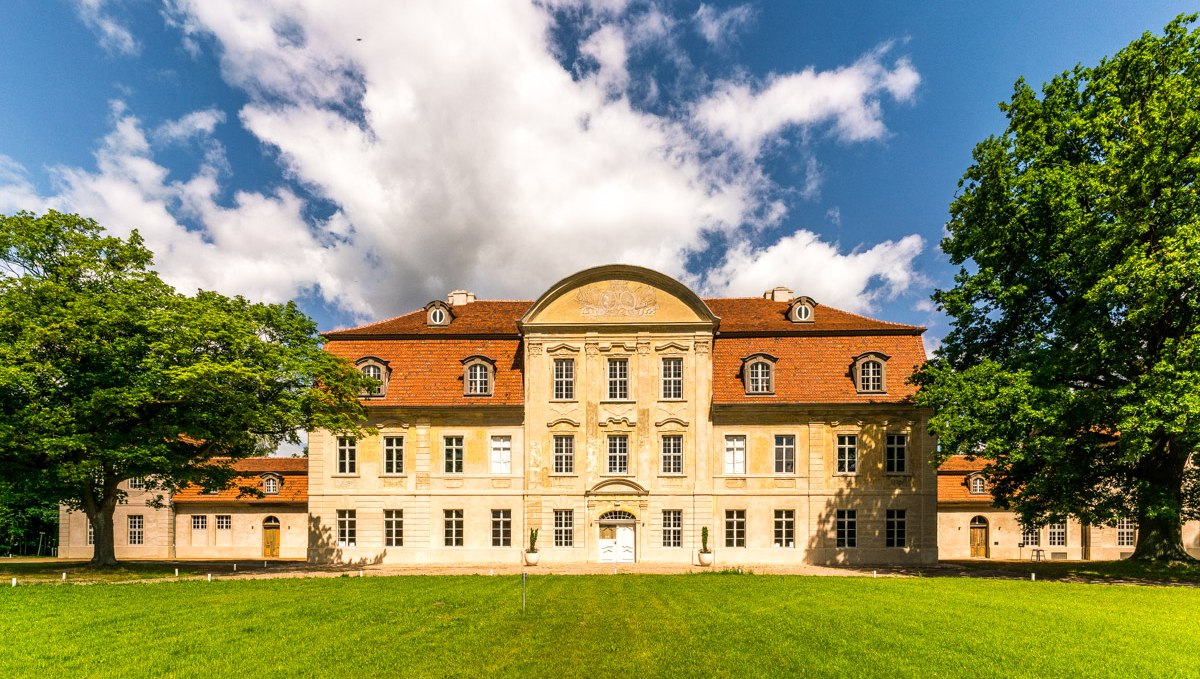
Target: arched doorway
(618, 537)
(979, 538)
(270, 538)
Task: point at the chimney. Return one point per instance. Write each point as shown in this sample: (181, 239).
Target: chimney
(460, 297)
(779, 294)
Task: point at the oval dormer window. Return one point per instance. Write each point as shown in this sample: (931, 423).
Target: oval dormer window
(437, 316)
(802, 312)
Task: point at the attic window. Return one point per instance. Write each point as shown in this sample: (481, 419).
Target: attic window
(377, 370)
(758, 373)
(802, 310)
(438, 314)
(870, 373)
(271, 485)
(478, 375)
(978, 485)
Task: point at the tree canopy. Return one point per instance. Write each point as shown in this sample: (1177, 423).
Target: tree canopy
(108, 374)
(1073, 364)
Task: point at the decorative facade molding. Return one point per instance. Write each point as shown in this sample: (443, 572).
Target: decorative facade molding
(620, 299)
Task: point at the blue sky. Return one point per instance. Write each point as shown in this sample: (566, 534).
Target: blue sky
(366, 157)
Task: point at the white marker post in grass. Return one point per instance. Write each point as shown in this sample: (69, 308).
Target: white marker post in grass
(210, 577)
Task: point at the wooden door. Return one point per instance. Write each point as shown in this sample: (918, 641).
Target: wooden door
(608, 544)
(625, 550)
(979, 541)
(270, 542)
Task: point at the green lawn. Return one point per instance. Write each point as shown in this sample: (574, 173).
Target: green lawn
(597, 626)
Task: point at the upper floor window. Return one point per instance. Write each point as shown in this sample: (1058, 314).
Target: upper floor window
(393, 455)
(758, 371)
(672, 454)
(801, 310)
(437, 313)
(672, 378)
(137, 484)
(271, 485)
(618, 379)
(478, 374)
(564, 454)
(453, 454)
(618, 454)
(847, 454)
(501, 454)
(347, 455)
(735, 455)
(896, 454)
(785, 454)
(870, 373)
(978, 485)
(564, 379)
(375, 369)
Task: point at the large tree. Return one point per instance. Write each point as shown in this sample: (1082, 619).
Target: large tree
(1073, 365)
(108, 374)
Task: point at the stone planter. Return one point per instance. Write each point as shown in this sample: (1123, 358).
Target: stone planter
(706, 558)
(531, 558)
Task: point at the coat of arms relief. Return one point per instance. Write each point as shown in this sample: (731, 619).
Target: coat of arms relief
(620, 299)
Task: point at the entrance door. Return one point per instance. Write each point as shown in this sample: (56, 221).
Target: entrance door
(979, 538)
(625, 544)
(271, 538)
(608, 544)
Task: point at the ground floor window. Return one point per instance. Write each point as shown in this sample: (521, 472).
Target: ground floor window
(672, 528)
(735, 528)
(1126, 533)
(785, 527)
(200, 522)
(1057, 535)
(896, 528)
(91, 533)
(564, 528)
(846, 527)
(454, 527)
(347, 525)
(393, 527)
(501, 527)
(1031, 536)
(224, 521)
(136, 527)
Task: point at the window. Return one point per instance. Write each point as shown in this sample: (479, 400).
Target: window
(454, 527)
(847, 454)
(347, 455)
(453, 453)
(672, 528)
(785, 454)
(871, 373)
(564, 454)
(564, 379)
(618, 379)
(618, 454)
(735, 454)
(672, 454)
(501, 454)
(224, 522)
(564, 528)
(393, 527)
(672, 378)
(137, 484)
(801, 310)
(896, 454)
(1031, 536)
(271, 485)
(502, 528)
(91, 539)
(347, 525)
(759, 377)
(735, 528)
(200, 522)
(846, 527)
(376, 373)
(136, 525)
(437, 316)
(1057, 535)
(393, 454)
(978, 485)
(785, 527)
(1126, 532)
(896, 528)
(478, 379)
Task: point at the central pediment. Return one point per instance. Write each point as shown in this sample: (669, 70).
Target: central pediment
(619, 295)
(617, 487)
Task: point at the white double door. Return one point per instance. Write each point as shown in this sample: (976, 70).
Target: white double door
(616, 544)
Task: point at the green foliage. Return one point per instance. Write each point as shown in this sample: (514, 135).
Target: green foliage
(533, 535)
(601, 626)
(704, 540)
(107, 374)
(1074, 362)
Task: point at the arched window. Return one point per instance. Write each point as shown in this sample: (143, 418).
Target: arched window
(377, 370)
(376, 373)
(801, 310)
(758, 373)
(978, 485)
(870, 373)
(617, 515)
(478, 372)
(271, 485)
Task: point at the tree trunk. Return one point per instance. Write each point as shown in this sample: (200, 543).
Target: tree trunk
(1160, 505)
(104, 551)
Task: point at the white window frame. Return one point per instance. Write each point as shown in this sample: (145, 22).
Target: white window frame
(735, 455)
(735, 528)
(375, 372)
(672, 378)
(977, 485)
(91, 535)
(895, 453)
(672, 454)
(785, 454)
(785, 528)
(502, 528)
(478, 376)
(846, 529)
(847, 454)
(1031, 536)
(672, 535)
(137, 529)
(270, 485)
(618, 379)
(454, 454)
(347, 528)
(501, 455)
(224, 521)
(1127, 532)
(347, 456)
(618, 454)
(452, 523)
(564, 453)
(564, 528)
(760, 376)
(393, 528)
(137, 483)
(393, 455)
(199, 522)
(564, 379)
(1056, 535)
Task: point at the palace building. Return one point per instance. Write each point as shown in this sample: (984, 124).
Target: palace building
(621, 415)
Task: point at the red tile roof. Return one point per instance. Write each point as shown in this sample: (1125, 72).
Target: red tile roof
(952, 481)
(293, 487)
(477, 318)
(760, 315)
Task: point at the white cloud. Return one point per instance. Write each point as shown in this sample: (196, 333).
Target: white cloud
(855, 281)
(717, 28)
(113, 36)
(460, 153)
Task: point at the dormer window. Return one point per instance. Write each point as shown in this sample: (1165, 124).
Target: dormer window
(377, 370)
(870, 373)
(478, 375)
(758, 373)
(978, 485)
(802, 310)
(438, 314)
(271, 485)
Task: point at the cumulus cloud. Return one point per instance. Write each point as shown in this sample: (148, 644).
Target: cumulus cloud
(459, 152)
(113, 36)
(716, 27)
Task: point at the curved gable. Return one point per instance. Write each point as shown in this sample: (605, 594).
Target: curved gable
(619, 294)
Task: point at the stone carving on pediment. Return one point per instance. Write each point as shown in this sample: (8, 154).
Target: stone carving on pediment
(620, 299)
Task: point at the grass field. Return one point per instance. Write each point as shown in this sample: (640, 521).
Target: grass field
(600, 626)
